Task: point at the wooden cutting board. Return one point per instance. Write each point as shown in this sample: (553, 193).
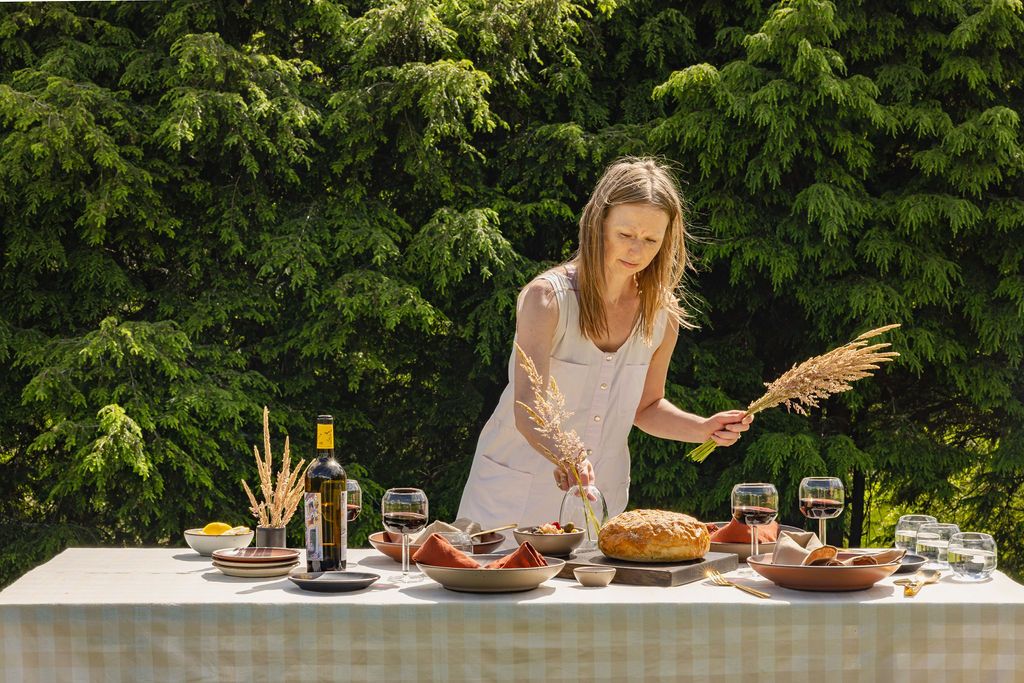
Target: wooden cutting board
(654, 573)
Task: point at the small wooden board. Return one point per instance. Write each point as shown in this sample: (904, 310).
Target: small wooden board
(652, 573)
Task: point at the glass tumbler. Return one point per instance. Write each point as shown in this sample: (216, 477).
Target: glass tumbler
(933, 543)
(460, 540)
(906, 530)
(972, 555)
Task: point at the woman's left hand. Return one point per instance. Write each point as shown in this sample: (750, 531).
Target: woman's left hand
(725, 428)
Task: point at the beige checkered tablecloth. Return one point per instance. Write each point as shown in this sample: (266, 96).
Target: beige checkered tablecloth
(103, 614)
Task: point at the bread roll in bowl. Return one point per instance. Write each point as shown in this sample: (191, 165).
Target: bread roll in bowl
(654, 536)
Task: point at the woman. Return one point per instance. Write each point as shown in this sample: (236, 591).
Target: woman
(604, 325)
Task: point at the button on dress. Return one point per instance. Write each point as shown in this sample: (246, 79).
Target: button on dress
(509, 481)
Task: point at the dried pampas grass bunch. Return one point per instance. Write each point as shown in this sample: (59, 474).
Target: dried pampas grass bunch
(280, 499)
(803, 385)
(548, 413)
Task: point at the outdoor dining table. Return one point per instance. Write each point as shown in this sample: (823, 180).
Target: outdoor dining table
(166, 614)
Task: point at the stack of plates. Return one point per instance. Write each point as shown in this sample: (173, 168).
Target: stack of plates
(255, 563)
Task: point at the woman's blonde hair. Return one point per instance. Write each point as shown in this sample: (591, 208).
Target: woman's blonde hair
(633, 180)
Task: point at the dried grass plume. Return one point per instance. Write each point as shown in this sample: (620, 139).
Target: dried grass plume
(803, 385)
(280, 499)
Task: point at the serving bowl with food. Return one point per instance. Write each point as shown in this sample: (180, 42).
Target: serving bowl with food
(551, 538)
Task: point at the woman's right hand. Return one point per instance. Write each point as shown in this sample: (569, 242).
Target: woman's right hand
(565, 480)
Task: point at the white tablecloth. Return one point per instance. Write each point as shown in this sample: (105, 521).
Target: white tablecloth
(161, 614)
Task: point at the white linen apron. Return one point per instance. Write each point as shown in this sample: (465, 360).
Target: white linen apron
(509, 481)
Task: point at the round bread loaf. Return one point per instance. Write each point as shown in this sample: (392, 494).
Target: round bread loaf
(654, 536)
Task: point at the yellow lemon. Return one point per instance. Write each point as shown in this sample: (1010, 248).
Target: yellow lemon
(216, 528)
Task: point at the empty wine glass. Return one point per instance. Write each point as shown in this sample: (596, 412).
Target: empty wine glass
(753, 505)
(906, 530)
(355, 499)
(404, 511)
(821, 498)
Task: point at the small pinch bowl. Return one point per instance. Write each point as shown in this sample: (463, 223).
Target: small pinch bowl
(594, 577)
(550, 544)
(205, 544)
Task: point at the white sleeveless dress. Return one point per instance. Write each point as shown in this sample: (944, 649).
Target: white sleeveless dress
(509, 481)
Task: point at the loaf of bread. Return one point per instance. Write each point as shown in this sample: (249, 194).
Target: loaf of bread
(654, 536)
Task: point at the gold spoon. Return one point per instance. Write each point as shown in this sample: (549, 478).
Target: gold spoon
(912, 586)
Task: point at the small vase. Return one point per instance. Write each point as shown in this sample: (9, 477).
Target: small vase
(270, 537)
(587, 511)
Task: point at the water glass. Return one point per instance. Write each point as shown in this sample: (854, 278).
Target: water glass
(933, 543)
(906, 530)
(460, 540)
(972, 555)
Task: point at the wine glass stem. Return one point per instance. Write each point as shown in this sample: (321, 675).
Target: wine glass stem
(753, 540)
(405, 556)
(821, 531)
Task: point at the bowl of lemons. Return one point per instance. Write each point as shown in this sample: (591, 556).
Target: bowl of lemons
(218, 536)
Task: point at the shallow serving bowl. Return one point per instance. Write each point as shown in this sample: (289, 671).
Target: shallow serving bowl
(205, 544)
(550, 544)
(470, 580)
(806, 578)
(483, 544)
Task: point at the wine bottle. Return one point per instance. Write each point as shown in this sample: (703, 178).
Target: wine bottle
(326, 503)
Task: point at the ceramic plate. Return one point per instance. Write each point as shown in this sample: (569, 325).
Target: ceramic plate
(252, 565)
(743, 549)
(492, 580)
(378, 540)
(550, 544)
(332, 582)
(256, 556)
(255, 572)
(911, 563)
(801, 578)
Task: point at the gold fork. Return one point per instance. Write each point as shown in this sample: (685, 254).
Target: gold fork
(719, 580)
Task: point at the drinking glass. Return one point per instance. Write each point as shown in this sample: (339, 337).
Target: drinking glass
(821, 498)
(460, 540)
(753, 505)
(906, 530)
(404, 511)
(972, 555)
(355, 499)
(933, 543)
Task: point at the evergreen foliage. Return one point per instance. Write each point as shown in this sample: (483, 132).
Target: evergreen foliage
(208, 207)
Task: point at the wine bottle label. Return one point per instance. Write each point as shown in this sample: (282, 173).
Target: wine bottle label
(324, 436)
(314, 527)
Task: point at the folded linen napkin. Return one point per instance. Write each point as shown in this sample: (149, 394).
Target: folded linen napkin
(467, 525)
(438, 552)
(738, 532)
(793, 547)
(523, 556)
(435, 527)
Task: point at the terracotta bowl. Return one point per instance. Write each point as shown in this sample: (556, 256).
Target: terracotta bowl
(827, 579)
(484, 544)
(742, 550)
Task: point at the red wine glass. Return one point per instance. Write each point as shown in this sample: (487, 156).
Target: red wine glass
(754, 505)
(405, 512)
(821, 498)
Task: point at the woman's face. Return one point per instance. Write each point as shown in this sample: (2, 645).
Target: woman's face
(633, 234)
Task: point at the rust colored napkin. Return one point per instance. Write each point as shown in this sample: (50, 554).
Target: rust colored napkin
(524, 556)
(438, 552)
(738, 532)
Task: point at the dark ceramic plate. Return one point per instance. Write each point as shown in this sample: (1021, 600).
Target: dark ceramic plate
(911, 563)
(332, 582)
